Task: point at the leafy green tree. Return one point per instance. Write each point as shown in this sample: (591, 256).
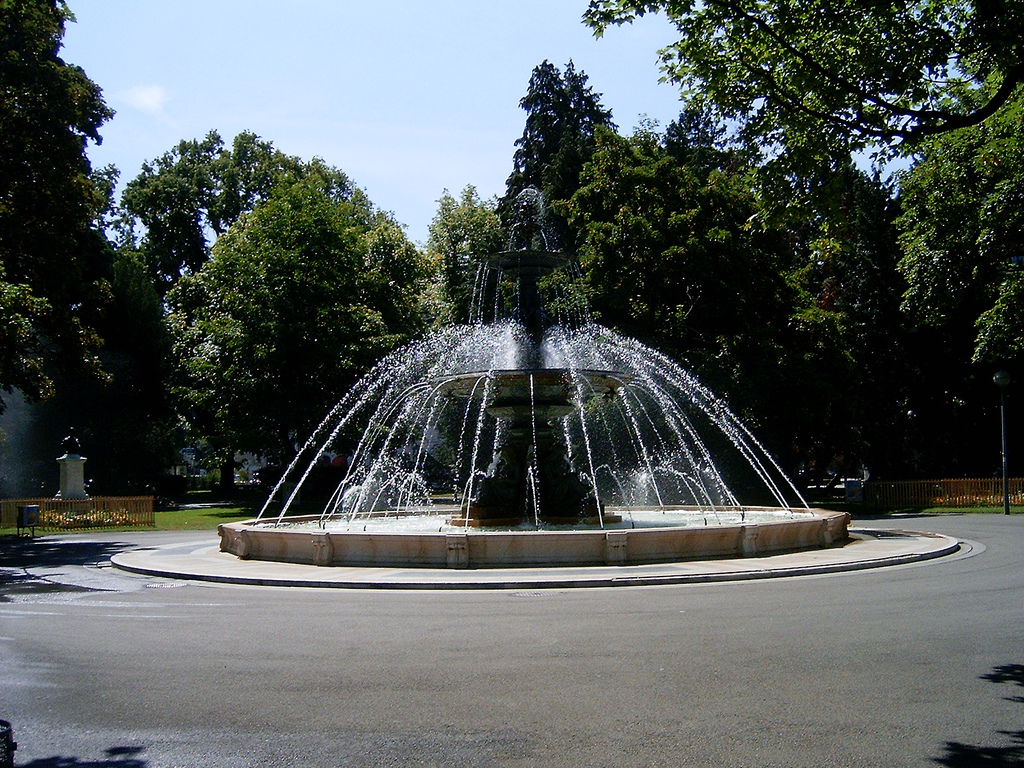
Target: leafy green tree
(813, 80)
(1001, 327)
(300, 297)
(668, 256)
(961, 232)
(51, 253)
(962, 229)
(700, 140)
(124, 420)
(796, 323)
(135, 421)
(845, 267)
(181, 202)
(562, 115)
(461, 232)
(169, 198)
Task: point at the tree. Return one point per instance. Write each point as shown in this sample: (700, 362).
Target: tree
(700, 140)
(668, 256)
(813, 80)
(961, 232)
(124, 420)
(845, 269)
(809, 83)
(462, 231)
(300, 297)
(962, 228)
(191, 195)
(51, 253)
(562, 114)
(797, 324)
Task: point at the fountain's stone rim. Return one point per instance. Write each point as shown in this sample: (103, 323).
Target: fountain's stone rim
(502, 549)
(527, 262)
(505, 379)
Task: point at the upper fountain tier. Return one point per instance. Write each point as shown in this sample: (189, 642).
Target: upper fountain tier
(527, 266)
(527, 263)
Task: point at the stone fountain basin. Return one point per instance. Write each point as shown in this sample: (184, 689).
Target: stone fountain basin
(517, 548)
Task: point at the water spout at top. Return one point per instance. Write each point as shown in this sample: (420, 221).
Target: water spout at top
(527, 222)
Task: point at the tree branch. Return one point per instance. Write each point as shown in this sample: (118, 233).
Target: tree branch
(928, 122)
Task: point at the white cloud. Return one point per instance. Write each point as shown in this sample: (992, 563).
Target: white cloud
(147, 98)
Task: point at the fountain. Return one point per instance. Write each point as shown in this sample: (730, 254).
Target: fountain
(532, 440)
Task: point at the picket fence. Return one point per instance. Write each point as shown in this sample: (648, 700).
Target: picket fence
(95, 512)
(949, 492)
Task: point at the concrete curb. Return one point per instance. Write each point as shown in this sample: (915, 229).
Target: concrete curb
(201, 561)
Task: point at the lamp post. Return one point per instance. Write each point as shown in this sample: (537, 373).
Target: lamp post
(1002, 380)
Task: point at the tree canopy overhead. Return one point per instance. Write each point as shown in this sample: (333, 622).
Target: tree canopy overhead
(50, 249)
(831, 76)
(961, 232)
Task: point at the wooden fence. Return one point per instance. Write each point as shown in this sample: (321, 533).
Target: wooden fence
(954, 492)
(96, 512)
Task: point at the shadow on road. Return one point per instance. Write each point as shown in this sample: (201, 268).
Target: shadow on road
(1008, 673)
(21, 552)
(119, 757)
(960, 755)
(19, 556)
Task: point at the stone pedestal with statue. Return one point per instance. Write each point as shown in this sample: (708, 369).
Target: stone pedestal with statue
(72, 470)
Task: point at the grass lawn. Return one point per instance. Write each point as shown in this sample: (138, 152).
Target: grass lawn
(200, 519)
(207, 518)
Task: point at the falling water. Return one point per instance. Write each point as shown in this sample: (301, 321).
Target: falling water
(427, 433)
(422, 450)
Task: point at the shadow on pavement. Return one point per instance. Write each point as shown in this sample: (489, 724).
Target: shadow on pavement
(74, 762)
(119, 757)
(960, 755)
(18, 556)
(21, 552)
(1008, 673)
(900, 515)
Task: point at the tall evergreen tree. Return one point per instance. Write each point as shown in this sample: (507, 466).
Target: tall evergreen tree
(562, 114)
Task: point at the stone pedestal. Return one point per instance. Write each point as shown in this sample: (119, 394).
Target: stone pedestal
(72, 477)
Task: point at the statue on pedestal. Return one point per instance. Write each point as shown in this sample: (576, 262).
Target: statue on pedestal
(70, 444)
(72, 469)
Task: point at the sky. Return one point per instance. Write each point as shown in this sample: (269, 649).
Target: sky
(410, 98)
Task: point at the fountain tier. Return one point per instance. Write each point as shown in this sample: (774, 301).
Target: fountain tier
(531, 474)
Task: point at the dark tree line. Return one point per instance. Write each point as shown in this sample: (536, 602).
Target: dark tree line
(234, 292)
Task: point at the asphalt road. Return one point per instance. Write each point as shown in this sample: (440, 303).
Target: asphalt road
(912, 666)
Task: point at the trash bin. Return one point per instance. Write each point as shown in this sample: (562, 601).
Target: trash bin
(7, 744)
(855, 491)
(28, 517)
